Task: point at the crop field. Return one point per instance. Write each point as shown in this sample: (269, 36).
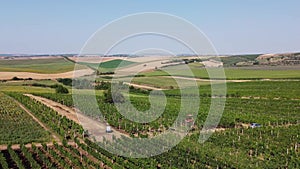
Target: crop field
(52, 65)
(106, 66)
(237, 110)
(231, 73)
(269, 97)
(165, 82)
(82, 89)
(16, 126)
(26, 86)
(275, 144)
(285, 89)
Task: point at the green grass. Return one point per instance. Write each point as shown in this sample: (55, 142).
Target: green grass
(47, 66)
(265, 89)
(109, 65)
(27, 82)
(21, 86)
(165, 82)
(16, 126)
(26, 89)
(231, 73)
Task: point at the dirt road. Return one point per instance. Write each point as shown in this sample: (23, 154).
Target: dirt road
(96, 129)
(142, 86)
(17, 146)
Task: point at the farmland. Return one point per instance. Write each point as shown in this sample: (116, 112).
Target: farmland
(107, 66)
(16, 124)
(273, 145)
(232, 73)
(53, 65)
(268, 96)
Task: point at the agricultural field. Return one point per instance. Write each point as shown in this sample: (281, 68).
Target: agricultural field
(17, 126)
(46, 66)
(275, 144)
(231, 73)
(268, 96)
(107, 66)
(26, 86)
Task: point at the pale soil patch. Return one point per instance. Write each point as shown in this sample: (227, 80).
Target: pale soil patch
(146, 59)
(207, 80)
(142, 86)
(70, 74)
(94, 59)
(142, 67)
(95, 128)
(29, 145)
(212, 63)
(61, 109)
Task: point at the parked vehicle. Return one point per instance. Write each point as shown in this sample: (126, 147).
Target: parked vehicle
(254, 125)
(108, 129)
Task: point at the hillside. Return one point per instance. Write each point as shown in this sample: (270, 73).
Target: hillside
(279, 59)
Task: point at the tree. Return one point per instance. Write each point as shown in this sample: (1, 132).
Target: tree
(113, 96)
(61, 89)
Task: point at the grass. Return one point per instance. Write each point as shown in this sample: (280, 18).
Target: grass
(21, 86)
(165, 82)
(265, 89)
(108, 66)
(230, 73)
(26, 89)
(47, 66)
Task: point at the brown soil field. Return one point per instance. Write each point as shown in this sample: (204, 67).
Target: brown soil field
(77, 73)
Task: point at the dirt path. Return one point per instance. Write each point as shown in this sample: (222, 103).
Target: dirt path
(207, 80)
(96, 129)
(61, 109)
(29, 145)
(55, 137)
(143, 86)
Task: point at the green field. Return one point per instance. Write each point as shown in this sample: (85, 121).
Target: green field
(24, 86)
(230, 73)
(47, 66)
(270, 98)
(16, 126)
(262, 89)
(166, 82)
(235, 147)
(108, 65)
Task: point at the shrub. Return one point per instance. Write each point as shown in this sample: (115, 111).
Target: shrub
(61, 89)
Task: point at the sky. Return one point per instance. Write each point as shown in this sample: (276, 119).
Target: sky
(232, 26)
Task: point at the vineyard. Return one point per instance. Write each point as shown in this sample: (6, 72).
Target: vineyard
(274, 145)
(237, 111)
(16, 125)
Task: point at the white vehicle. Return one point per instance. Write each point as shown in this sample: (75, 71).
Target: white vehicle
(255, 125)
(108, 129)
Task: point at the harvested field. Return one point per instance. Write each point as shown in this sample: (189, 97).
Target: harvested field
(78, 73)
(94, 59)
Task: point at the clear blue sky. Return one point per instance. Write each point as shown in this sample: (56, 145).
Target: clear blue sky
(234, 26)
